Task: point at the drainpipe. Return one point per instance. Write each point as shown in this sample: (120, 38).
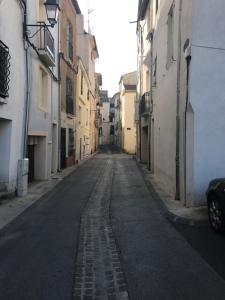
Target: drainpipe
(141, 82)
(188, 62)
(59, 99)
(177, 195)
(27, 93)
(151, 103)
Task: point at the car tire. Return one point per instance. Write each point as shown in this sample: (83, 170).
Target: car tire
(216, 214)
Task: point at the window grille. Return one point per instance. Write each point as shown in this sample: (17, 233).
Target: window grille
(4, 70)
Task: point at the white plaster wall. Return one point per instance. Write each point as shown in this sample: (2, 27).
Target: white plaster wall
(11, 32)
(207, 94)
(128, 123)
(41, 120)
(164, 99)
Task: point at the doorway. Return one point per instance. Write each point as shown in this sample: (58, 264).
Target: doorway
(63, 148)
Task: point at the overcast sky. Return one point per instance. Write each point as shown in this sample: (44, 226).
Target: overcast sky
(116, 38)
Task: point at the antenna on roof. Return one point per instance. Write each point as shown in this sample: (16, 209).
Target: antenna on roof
(89, 12)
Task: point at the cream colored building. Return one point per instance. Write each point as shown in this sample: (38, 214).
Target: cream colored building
(83, 113)
(86, 137)
(128, 83)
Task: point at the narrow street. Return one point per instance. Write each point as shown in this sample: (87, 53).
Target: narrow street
(101, 234)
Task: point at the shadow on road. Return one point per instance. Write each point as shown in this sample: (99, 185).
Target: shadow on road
(109, 149)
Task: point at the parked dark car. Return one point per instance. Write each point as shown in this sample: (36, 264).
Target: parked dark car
(216, 204)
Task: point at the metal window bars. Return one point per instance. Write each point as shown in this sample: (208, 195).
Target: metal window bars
(4, 70)
(145, 104)
(46, 40)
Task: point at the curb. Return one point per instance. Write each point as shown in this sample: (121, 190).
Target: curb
(171, 216)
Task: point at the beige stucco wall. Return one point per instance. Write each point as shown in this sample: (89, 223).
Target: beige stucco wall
(128, 122)
(83, 115)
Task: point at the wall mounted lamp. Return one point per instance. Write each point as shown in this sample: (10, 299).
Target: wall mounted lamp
(52, 11)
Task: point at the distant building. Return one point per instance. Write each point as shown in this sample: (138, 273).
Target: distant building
(116, 120)
(112, 121)
(128, 85)
(105, 111)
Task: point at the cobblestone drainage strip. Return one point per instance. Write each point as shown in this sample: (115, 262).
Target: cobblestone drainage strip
(98, 272)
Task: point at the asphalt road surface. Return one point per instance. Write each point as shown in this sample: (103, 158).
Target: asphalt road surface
(101, 234)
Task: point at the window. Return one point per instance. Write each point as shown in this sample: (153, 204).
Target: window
(4, 70)
(69, 40)
(147, 80)
(155, 71)
(80, 114)
(69, 96)
(86, 116)
(112, 130)
(82, 83)
(170, 29)
(71, 142)
(156, 6)
(43, 89)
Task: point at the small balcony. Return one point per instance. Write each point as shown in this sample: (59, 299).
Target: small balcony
(46, 46)
(145, 107)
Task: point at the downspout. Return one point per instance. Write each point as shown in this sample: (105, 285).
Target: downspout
(188, 62)
(59, 98)
(141, 85)
(27, 94)
(177, 195)
(151, 104)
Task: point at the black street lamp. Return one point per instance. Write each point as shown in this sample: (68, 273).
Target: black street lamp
(52, 11)
(45, 39)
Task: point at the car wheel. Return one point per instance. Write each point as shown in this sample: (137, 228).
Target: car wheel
(216, 215)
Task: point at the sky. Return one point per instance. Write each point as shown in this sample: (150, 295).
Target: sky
(115, 36)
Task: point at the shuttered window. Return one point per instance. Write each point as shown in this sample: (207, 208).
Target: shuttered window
(69, 96)
(69, 40)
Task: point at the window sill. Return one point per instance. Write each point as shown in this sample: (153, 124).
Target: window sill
(70, 116)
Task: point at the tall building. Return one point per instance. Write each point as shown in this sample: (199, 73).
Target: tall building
(87, 95)
(68, 75)
(13, 79)
(28, 94)
(185, 117)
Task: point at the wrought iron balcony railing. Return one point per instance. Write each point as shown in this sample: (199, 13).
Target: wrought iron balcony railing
(46, 46)
(4, 70)
(145, 106)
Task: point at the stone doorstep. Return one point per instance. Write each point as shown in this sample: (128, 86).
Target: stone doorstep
(175, 210)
